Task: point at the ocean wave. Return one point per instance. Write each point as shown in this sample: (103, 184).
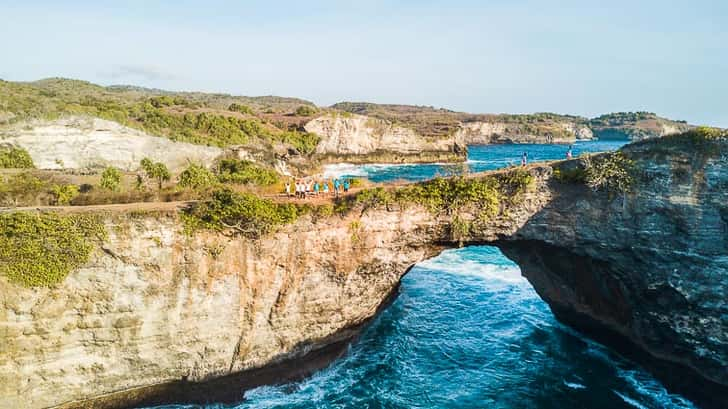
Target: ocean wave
(480, 262)
(574, 385)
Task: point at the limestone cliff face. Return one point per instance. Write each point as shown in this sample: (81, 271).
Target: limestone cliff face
(646, 273)
(155, 306)
(353, 134)
(84, 142)
(485, 133)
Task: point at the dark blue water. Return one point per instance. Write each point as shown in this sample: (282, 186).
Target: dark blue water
(467, 331)
(480, 158)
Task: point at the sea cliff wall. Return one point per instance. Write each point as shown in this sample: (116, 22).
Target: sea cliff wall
(644, 272)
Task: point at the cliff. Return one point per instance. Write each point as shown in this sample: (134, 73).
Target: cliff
(153, 307)
(635, 126)
(157, 316)
(646, 272)
(358, 138)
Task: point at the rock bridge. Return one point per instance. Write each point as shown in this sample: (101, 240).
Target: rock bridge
(157, 316)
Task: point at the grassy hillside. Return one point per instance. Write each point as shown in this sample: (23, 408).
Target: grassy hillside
(206, 119)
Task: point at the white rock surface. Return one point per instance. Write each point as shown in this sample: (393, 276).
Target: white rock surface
(359, 134)
(81, 142)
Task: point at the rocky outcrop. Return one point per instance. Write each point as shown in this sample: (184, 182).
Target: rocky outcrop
(351, 135)
(85, 142)
(155, 308)
(157, 315)
(485, 133)
(646, 273)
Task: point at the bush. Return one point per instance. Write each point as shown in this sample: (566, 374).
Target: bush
(111, 179)
(64, 193)
(14, 157)
(196, 177)
(243, 109)
(612, 172)
(41, 249)
(245, 172)
(306, 110)
(243, 213)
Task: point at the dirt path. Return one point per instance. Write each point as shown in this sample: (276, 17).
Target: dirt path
(169, 206)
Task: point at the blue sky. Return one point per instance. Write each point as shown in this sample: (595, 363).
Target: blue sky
(580, 57)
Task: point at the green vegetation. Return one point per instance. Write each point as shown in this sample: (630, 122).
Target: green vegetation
(245, 172)
(22, 188)
(306, 110)
(196, 177)
(203, 119)
(156, 170)
(612, 172)
(441, 195)
(15, 157)
(64, 193)
(111, 179)
(243, 213)
(620, 118)
(40, 249)
(243, 109)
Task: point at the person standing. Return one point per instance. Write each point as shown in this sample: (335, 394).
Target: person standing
(288, 188)
(326, 187)
(569, 155)
(346, 185)
(524, 159)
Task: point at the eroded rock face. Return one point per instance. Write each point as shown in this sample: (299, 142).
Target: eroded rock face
(646, 273)
(155, 306)
(354, 134)
(485, 133)
(84, 142)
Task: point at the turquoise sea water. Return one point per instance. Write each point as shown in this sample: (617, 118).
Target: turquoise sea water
(467, 331)
(480, 158)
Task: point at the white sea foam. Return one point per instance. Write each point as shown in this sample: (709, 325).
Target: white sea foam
(630, 401)
(340, 169)
(574, 385)
(458, 262)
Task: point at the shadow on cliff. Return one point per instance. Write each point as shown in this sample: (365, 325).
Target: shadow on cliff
(611, 291)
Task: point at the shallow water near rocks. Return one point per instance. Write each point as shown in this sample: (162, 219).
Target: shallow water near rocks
(468, 331)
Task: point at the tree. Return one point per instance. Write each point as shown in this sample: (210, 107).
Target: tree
(64, 193)
(196, 177)
(111, 179)
(156, 170)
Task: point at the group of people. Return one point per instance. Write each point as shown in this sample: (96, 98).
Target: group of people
(302, 188)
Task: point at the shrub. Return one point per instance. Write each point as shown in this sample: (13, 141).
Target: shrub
(196, 177)
(243, 213)
(64, 193)
(306, 110)
(612, 172)
(111, 179)
(243, 109)
(14, 157)
(156, 170)
(40, 249)
(245, 172)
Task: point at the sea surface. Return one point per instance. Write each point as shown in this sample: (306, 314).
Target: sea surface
(467, 331)
(480, 158)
